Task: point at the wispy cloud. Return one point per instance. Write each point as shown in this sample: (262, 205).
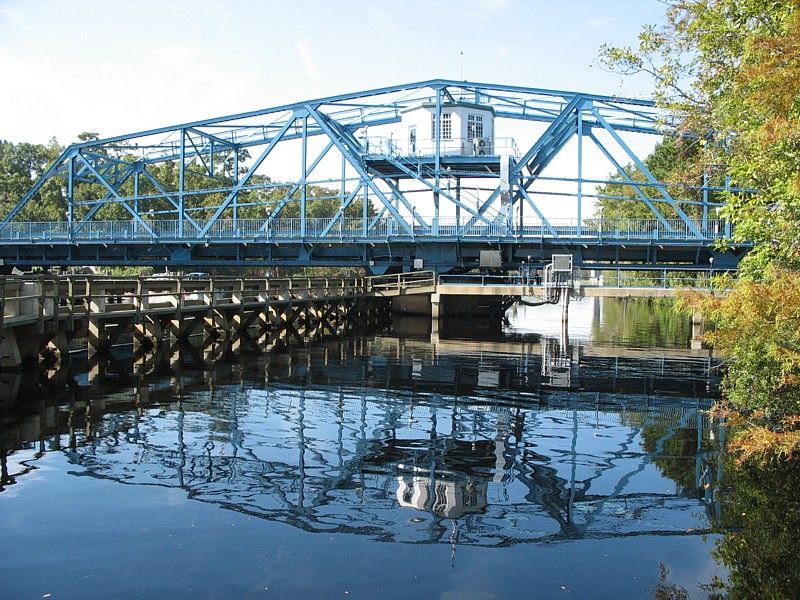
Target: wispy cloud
(503, 50)
(308, 60)
(494, 4)
(596, 22)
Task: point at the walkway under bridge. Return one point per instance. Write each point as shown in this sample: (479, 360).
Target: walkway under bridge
(40, 316)
(390, 179)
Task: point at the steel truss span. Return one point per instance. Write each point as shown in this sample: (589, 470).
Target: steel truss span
(381, 178)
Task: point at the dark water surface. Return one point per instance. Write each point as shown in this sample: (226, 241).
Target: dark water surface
(472, 463)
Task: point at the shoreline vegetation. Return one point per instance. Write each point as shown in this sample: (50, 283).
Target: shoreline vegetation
(729, 70)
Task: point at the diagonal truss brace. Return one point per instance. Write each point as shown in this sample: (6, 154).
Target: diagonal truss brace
(624, 174)
(68, 153)
(646, 172)
(344, 143)
(170, 197)
(296, 186)
(399, 165)
(243, 181)
(567, 119)
(119, 198)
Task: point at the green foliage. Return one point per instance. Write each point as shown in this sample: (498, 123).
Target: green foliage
(760, 518)
(758, 331)
(730, 70)
(674, 160)
(20, 166)
(641, 322)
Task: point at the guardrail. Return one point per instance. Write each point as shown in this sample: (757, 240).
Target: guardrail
(51, 297)
(352, 229)
(612, 279)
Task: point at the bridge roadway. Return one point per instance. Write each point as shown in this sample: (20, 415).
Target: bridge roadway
(628, 244)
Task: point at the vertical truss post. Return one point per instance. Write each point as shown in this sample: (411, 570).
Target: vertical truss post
(181, 182)
(521, 201)
(365, 203)
(458, 198)
(342, 188)
(211, 157)
(136, 191)
(136, 195)
(71, 195)
(580, 169)
(437, 159)
(705, 201)
(235, 181)
(303, 175)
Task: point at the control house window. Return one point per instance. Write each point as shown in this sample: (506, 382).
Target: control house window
(474, 126)
(447, 126)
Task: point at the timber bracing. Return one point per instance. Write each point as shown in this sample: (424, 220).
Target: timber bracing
(41, 315)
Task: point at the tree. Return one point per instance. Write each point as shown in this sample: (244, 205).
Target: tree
(730, 71)
(20, 166)
(674, 160)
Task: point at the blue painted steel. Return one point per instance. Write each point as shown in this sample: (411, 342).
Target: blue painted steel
(646, 172)
(373, 171)
(287, 230)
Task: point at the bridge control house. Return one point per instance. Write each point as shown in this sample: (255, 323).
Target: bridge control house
(467, 130)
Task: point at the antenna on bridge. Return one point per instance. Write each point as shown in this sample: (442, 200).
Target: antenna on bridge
(461, 65)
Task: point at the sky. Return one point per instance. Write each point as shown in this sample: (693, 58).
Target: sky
(115, 67)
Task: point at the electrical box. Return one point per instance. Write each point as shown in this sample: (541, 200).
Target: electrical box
(562, 263)
(491, 259)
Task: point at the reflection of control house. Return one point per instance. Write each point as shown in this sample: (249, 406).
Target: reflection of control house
(467, 129)
(451, 499)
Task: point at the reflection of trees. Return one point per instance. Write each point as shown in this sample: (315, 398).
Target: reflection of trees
(684, 455)
(761, 518)
(641, 322)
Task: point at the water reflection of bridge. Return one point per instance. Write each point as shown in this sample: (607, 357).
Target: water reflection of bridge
(387, 438)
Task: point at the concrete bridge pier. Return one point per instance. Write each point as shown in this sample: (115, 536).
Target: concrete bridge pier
(147, 333)
(18, 345)
(216, 325)
(103, 333)
(57, 348)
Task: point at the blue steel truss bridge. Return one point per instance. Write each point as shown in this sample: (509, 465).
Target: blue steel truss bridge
(409, 176)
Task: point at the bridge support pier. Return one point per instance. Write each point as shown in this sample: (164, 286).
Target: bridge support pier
(436, 313)
(57, 347)
(147, 333)
(216, 325)
(10, 355)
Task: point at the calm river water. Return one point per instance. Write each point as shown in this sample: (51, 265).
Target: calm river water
(477, 463)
